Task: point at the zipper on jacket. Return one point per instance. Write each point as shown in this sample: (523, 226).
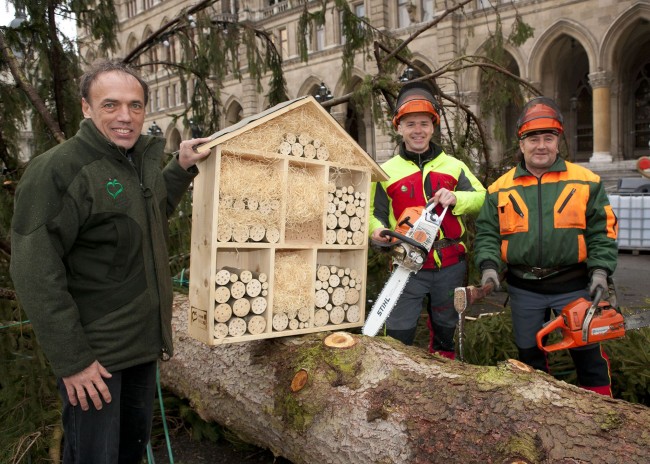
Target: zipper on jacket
(539, 220)
(566, 200)
(515, 205)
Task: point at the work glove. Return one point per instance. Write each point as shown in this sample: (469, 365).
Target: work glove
(491, 274)
(599, 279)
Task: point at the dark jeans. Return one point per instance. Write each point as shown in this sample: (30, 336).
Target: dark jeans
(119, 432)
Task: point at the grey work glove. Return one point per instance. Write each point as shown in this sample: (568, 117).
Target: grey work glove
(491, 274)
(599, 279)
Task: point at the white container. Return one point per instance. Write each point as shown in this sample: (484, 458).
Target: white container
(633, 213)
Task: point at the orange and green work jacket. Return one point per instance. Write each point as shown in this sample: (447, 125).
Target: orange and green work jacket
(542, 227)
(414, 179)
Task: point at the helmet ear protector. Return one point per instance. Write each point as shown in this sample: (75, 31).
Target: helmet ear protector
(540, 115)
(416, 97)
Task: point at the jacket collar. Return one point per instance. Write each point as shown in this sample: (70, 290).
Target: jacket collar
(89, 134)
(558, 166)
(420, 159)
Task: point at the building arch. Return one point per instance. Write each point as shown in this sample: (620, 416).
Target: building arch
(233, 112)
(309, 86)
(173, 137)
(538, 62)
(472, 75)
(502, 122)
(624, 52)
(561, 66)
(620, 29)
(356, 119)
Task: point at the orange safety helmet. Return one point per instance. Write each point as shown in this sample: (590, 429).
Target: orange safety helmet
(541, 114)
(415, 97)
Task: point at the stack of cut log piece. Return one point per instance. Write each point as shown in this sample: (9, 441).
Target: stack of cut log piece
(337, 295)
(241, 302)
(346, 216)
(256, 232)
(303, 145)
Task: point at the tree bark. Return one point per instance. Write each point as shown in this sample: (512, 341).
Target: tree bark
(379, 401)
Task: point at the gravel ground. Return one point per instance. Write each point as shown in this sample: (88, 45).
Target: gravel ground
(187, 451)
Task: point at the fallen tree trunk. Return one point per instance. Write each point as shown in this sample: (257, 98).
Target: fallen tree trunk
(381, 402)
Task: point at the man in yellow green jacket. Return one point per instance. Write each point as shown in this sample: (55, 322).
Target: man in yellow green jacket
(549, 223)
(422, 171)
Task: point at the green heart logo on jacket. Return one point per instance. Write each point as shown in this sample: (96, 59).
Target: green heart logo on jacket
(114, 188)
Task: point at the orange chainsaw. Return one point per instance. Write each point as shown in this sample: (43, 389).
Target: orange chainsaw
(583, 322)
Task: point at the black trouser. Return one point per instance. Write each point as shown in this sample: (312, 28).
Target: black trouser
(119, 432)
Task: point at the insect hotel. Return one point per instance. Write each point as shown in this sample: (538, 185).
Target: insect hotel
(280, 228)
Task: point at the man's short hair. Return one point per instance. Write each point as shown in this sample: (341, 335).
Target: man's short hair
(104, 66)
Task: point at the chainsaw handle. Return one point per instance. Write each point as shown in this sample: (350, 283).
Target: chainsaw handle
(557, 323)
(405, 239)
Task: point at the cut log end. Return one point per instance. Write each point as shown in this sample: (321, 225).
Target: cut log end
(299, 380)
(340, 340)
(518, 365)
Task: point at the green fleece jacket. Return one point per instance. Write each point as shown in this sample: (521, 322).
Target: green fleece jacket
(89, 250)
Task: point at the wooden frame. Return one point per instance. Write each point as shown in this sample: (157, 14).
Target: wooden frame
(222, 265)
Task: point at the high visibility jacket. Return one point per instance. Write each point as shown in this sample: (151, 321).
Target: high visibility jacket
(558, 220)
(413, 185)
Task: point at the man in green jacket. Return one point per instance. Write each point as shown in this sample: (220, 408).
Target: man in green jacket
(90, 264)
(550, 224)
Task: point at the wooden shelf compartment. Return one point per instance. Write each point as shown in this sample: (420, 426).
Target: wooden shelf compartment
(340, 288)
(305, 203)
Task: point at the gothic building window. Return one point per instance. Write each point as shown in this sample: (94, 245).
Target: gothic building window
(131, 8)
(320, 38)
(584, 116)
(284, 43)
(642, 109)
(403, 13)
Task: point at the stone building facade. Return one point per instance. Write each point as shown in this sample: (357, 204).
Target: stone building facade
(589, 55)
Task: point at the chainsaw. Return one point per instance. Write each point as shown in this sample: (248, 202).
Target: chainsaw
(409, 246)
(583, 322)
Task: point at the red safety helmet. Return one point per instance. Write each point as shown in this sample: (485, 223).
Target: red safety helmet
(415, 97)
(540, 115)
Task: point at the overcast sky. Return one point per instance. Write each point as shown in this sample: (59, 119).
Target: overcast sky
(7, 14)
